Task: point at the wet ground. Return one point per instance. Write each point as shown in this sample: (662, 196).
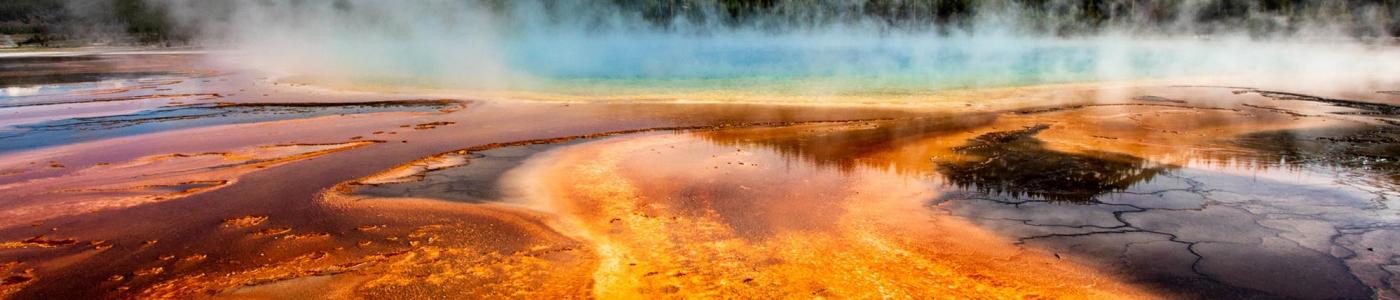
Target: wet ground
(187, 180)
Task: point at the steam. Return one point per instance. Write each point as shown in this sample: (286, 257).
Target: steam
(435, 43)
(792, 47)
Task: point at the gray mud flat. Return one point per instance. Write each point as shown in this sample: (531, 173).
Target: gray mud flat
(1312, 218)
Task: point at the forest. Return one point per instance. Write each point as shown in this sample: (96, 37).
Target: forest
(149, 22)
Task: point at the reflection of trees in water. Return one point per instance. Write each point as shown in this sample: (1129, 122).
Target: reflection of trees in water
(1010, 162)
(848, 146)
(1371, 148)
(1018, 164)
(1374, 149)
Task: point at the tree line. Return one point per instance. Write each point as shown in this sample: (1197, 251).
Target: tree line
(63, 22)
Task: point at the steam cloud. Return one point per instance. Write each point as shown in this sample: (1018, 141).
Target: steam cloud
(574, 45)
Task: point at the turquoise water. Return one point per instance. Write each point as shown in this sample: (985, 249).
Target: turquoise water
(883, 65)
(586, 47)
(827, 62)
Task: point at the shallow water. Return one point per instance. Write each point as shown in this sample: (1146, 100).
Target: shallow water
(1076, 191)
(1191, 228)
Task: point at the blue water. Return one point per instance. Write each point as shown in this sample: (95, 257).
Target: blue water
(75, 130)
(913, 64)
